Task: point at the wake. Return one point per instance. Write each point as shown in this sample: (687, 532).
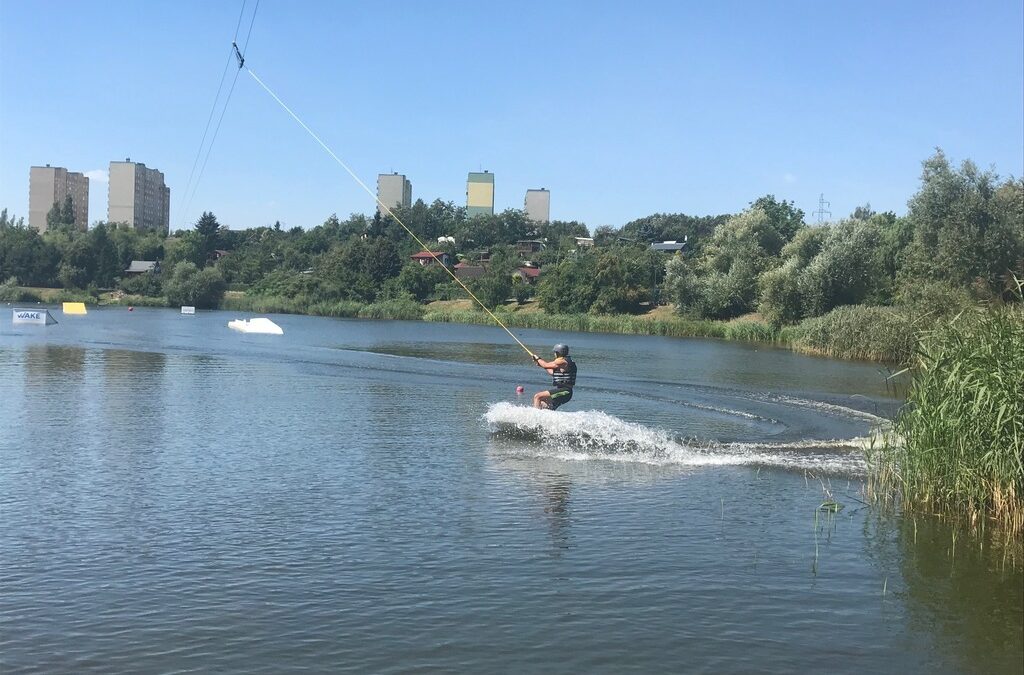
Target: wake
(595, 435)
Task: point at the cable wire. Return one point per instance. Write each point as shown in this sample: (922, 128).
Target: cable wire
(388, 210)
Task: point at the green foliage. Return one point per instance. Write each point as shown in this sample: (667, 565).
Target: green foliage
(188, 285)
(936, 299)
(418, 281)
(959, 440)
(485, 231)
(784, 218)
(208, 238)
(495, 286)
(11, 292)
(147, 284)
(667, 227)
(723, 282)
(966, 224)
(612, 280)
(25, 254)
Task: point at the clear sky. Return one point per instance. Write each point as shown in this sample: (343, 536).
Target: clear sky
(621, 109)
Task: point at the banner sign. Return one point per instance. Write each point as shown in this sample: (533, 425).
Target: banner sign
(40, 317)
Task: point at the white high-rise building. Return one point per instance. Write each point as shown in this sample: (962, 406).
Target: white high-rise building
(139, 197)
(538, 205)
(49, 185)
(393, 189)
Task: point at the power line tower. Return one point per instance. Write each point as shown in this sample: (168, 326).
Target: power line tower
(822, 209)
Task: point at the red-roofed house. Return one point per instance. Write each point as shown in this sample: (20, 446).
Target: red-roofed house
(427, 258)
(528, 274)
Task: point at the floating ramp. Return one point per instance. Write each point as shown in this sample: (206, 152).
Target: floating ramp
(74, 308)
(38, 317)
(261, 325)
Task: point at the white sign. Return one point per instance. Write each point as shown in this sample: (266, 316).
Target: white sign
(187, 309)
(39, 317)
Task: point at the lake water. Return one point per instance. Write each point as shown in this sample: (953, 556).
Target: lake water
(369, 497)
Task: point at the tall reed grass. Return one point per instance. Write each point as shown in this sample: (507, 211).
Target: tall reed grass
(958, 443)
(624, 324)
(273, 304)
(857, 332)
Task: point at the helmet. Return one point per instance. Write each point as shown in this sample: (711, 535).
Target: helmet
(561, 350)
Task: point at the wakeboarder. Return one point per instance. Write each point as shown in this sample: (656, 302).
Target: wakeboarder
(563, 379)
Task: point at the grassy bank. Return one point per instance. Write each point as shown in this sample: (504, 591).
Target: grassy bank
(957, 446)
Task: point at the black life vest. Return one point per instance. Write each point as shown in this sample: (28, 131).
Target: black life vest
(565, 376)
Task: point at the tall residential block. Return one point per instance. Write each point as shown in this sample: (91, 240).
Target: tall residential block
(538, 205)
(49, 185)
(139, 197)
(393, 189)
(480, 194)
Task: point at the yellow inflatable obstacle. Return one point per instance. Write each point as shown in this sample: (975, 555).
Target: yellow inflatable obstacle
(74, 308)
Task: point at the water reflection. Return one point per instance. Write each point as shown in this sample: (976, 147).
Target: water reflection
(961, 589)
(133, 396)
(54, 378)
(42, 361)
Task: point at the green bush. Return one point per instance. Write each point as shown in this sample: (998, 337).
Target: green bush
(142, 284)
(11, 292)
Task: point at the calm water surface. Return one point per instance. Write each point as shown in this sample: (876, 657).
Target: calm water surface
(175, 496)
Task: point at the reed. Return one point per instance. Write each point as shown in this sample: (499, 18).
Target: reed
(857, 332)
(402, 310)
(957, 445)
(587, 323)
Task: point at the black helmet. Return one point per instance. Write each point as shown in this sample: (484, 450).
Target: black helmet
(561, 350)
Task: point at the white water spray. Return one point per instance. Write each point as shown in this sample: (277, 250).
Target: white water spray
(594, 435)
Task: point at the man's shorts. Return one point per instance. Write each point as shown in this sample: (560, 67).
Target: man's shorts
(559, 396)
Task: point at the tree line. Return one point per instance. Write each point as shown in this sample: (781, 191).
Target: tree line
(961, 237)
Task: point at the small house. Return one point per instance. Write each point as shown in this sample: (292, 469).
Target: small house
(528, 246)
(668, 246)
(143, 266)
(529, 275)
(428, 258)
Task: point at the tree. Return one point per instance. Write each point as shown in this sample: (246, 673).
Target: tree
(208, 231)
(740, 250)
(67, 212)
(382, 261)
(783, 216)
(495, 286)
(105, 265)
(418, 281)
(188, 285)
(966, 224)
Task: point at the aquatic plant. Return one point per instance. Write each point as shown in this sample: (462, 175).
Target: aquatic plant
(957, 445)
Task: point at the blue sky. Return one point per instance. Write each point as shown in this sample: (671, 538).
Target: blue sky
(620, 109)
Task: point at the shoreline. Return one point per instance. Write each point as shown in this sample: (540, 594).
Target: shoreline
(857, 333)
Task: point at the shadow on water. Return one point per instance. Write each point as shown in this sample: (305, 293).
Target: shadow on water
(961, 589)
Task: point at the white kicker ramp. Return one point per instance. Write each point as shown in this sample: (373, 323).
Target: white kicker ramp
(38, 317)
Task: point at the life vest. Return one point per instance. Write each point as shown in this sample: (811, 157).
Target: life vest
(565, 376)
